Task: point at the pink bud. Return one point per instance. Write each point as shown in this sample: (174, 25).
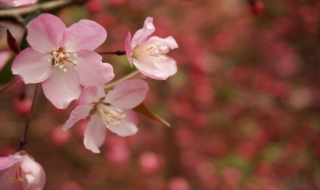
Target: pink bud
(149, 162)
(22, 107)
(178, 183)
(60, 137)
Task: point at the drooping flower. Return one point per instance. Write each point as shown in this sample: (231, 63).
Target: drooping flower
(17, 3)
(62, 58)
(20, 172)
(148, 55)
(111, 110)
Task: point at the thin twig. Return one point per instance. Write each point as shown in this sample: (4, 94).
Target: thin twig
(8, 85)
(119, 52)
(110, 85)
(24, 139)
(16, 14)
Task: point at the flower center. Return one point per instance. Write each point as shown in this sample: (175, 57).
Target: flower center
(16, 173)
(61, 59)
(154, 50)
(110, 114)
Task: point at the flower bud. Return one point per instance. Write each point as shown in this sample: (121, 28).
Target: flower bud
(20, 171)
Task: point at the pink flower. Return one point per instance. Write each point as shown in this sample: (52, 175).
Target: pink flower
(148, 55)
(20, 171)
(62, 58)
(17, 3)
(112, 111)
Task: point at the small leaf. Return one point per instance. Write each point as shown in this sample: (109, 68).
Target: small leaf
(12, 42)
(32, 16)
(142, 109)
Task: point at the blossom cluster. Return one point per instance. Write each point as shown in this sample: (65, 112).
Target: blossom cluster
(63, 60)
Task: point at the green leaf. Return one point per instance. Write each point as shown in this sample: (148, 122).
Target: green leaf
(6, 73)
(142, 109)
(29, 18)
(32, 16)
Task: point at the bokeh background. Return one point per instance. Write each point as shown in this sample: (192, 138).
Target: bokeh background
(244, 105)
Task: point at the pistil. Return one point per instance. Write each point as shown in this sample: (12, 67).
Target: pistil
(61, 59)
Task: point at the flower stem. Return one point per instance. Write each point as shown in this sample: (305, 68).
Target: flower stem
(8, 85)
(110, 85)
(118, 52)
(24, 139)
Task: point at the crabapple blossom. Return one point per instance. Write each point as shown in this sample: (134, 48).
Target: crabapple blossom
(20, 172)
(148, 55)
(62, 58)
(111, 110)
(17, 3)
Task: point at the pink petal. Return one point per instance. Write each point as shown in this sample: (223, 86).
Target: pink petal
(34, 173)
(126, 127)
(84, 34)
(168, 41)
(128, 49)
(127, 94)
(45, 33)
(91, 70)
(141, 35)
(80, 112)
(6, 184)
(131, 116)
(92, 94)
(61, 88)
(147, 66)
(17, 3)
(95, 133)
(32, 66)
(168, 66)
(7, 162)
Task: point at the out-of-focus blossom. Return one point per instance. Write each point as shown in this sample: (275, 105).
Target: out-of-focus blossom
(20, 172)
(112, 111)
(4, 57)
(149, 162)
(178, 183)
(60, 137)
(18, 3)
(16, 31)
(148, 55)
(62, 58)
(22, 106)
(256, 7)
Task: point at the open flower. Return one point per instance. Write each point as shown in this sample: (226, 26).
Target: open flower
(148, 55)
(17, 3)
(62, 58)
(20, 172)
(112, 111)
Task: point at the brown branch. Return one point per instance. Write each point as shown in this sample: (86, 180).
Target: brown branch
(8, 85)
(24, 139)
(17, 14)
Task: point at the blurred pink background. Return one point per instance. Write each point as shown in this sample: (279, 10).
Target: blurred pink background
(244, 105)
